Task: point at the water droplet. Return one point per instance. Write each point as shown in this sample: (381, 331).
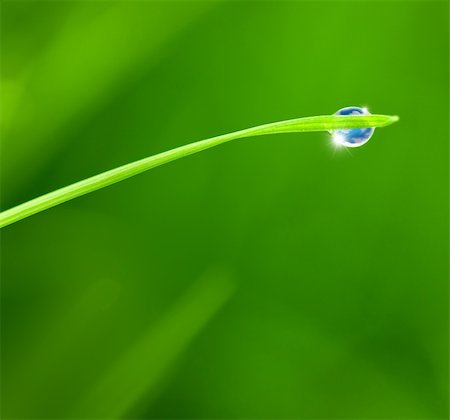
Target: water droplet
(354, 137)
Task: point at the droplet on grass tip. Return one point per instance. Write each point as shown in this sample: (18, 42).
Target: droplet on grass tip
(354, 137)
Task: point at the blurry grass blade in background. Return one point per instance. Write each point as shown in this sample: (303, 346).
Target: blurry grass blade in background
(66, 82)
(48, 361)
(298, 125)
(150, 359)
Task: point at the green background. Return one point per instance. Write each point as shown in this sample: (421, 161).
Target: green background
(274, 277)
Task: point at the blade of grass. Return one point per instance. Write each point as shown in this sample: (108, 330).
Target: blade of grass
(139, 371)
(307, 124)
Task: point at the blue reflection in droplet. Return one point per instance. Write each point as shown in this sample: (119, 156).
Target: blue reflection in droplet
(356, 136)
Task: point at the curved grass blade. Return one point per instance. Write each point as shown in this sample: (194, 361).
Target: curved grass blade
(307, 124)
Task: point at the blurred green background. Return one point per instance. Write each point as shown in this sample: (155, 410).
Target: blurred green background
(273, 277)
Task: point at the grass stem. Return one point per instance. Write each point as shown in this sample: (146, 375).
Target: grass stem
(319, 123)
